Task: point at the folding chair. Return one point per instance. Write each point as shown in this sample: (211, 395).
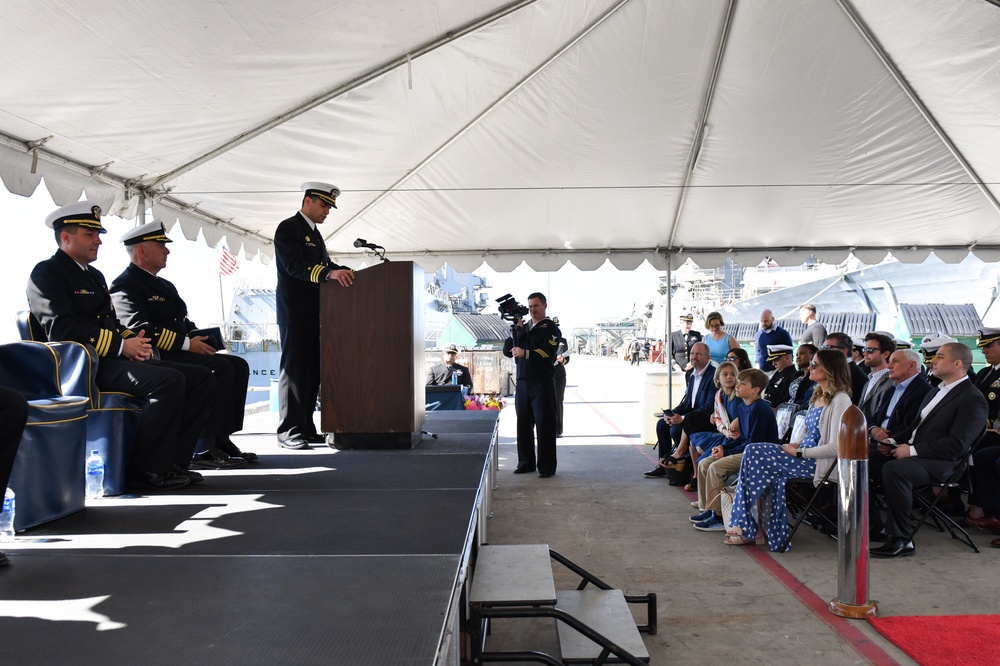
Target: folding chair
(928, 508)
(784, 414)
(800, 500)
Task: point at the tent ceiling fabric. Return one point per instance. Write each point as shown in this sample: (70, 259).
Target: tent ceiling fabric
(539, 131)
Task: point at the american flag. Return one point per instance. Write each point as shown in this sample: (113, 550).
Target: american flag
(227, 262)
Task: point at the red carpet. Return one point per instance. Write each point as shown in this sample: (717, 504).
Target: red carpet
(952, 640)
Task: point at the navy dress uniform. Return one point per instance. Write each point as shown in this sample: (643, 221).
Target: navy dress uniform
(145, 301)
(535, 396)
(777, 390)
(71, 301)
(303, 264)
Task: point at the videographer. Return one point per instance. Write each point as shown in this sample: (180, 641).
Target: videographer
(533, 346)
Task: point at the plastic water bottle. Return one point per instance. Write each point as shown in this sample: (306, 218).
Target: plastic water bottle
(454, 377)
(95, 475)
(7, 517)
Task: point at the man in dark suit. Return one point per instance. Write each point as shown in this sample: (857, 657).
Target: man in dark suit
(145, 301)
(843, 342)
(898, 408)
(13, 417)
(877, 350)
(699, 397)
(951, 419)
(70, 298)
(302, 263)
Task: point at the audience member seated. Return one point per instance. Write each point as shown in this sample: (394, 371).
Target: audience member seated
(800, 390)
(843, 343)
(756, 423)
(878, 349)
(719, 342)
(739, 356)
(13, 417)
(984, 501)
(695, 407)
(897, 409)
(724, 418)
(951, 420)
(777, 391)
(767, 467)
(858, 354)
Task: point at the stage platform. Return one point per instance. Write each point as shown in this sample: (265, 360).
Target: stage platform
(312, 557)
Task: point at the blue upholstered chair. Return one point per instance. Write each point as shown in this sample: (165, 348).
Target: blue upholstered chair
(113, 418)
(48, 473)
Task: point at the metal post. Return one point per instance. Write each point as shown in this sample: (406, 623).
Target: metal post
(852, 522)
(667, 355)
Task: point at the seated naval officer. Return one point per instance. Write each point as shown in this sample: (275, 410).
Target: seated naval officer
(70, 299)
(441, 374)
(145, 301)
(780, 358)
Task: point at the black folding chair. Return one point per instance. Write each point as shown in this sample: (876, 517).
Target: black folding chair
(927, 509)
(801, 498)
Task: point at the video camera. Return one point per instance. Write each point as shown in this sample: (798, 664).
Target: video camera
(510, 309)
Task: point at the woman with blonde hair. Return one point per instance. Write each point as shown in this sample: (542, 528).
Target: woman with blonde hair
(719, 342)
(768, 467)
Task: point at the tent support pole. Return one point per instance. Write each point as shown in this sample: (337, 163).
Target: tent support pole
(668, 355)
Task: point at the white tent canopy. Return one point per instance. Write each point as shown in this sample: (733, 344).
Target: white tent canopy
(540, 130)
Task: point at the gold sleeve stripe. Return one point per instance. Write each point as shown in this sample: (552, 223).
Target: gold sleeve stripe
(126, 334)
(167, 339)
(103, 346)
(541, 353)
(316, 271)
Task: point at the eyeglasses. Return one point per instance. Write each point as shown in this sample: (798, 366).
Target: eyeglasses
(871, 350)
(814, 365)
(734, 359)
(833, 347)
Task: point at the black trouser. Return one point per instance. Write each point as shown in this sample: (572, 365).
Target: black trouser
(228, 404)
(177, 399)
(13, 416)
(985, 474)
(899, 477)
(298, 383)
(534, 402)
(560, 394)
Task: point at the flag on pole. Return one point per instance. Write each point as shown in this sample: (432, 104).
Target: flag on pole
(227, 262)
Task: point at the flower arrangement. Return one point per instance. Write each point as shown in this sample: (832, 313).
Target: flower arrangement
(484, 401)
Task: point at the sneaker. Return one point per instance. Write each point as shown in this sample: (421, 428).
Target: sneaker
(713, 524)
(700, 517)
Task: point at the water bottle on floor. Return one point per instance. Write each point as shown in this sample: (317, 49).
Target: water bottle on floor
(95, 475)
(7, 517)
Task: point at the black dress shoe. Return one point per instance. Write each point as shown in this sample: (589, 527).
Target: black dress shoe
(523, 469)
(215, 460)
(4, 560)
(894, 547)
(192, 476)
(295, 444)
(545, 475)
(657, 471)
(233, 451)
(879, 536)
(315, 439)
(159, 481)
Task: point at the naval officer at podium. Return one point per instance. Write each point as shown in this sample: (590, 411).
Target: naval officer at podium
(303, 264)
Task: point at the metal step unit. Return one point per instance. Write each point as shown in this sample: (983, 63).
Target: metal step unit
(594, 624)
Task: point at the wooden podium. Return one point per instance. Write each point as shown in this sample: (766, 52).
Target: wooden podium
(372, 358)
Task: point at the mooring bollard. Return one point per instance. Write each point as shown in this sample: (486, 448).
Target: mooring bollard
(852, 521)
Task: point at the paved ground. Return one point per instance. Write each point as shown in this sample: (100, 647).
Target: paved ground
(717, 603)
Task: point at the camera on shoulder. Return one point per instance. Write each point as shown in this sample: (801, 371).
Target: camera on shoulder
(510, 309)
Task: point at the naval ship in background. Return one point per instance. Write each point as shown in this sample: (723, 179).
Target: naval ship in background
(451, 298)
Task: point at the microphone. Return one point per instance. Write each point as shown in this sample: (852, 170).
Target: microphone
(361, 242)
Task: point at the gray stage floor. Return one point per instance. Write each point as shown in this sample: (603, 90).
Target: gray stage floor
(312, 557)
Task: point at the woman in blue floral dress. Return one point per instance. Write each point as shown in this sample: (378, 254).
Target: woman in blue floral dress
(768, 467)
